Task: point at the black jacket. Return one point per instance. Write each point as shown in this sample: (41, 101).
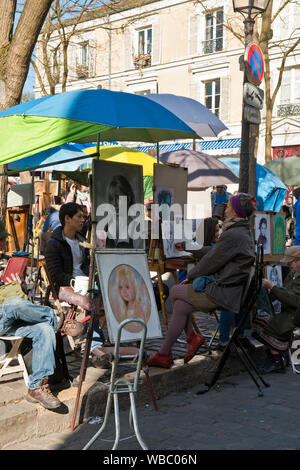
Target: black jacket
(59, 259)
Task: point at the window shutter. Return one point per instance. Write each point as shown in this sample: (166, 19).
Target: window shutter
(285, 95)
(127, 50)
(92, 58)
(195, 91)
(156, 41)
(193, 35)
(72, 59)
(225, 99)
(297, 85)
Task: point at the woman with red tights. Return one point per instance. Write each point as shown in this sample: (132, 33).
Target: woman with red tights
(229, 260)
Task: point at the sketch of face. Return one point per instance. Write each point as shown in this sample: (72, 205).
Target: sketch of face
(274, 277)
(127, 289)
(263, 229)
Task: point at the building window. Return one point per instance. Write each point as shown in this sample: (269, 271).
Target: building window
(82, 66)
(84, 55)
(142, 92)
(213, 32)
(212, 96)
(290, 93)
(144, 48)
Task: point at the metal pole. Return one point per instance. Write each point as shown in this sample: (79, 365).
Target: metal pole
(109, 53)
(245, 133)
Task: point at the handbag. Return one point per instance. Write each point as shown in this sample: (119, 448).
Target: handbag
(13, 289)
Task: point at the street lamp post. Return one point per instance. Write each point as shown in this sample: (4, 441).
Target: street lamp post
(249, 9)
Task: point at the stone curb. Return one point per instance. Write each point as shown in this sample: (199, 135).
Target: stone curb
(21, 421)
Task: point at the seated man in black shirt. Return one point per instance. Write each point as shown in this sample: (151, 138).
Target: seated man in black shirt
(66, 259)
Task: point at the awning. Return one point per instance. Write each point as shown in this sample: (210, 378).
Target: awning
(212, 147)
(165, 147)
(221, 146)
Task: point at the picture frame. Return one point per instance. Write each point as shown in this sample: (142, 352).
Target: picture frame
(111, 180)
(127, 292)
(263, 231)
(175, 177)
(274, 274)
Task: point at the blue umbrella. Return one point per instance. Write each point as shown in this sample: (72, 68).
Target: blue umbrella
(47, 122)
(66, 157)
(270, 190)
(192, 112)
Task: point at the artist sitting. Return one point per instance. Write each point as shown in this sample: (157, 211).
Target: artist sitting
(229, 261)
(275, 330)
(19, 317)
(66, 258)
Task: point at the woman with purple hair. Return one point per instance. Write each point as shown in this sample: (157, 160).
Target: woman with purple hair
(229, 261)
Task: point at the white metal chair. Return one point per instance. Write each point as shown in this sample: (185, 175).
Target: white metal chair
(14, 355)
(123, 356)
(294, 354)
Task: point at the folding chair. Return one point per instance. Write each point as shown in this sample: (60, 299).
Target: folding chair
(294, 353)
(124, 356)
(250, 294)
(211, 338)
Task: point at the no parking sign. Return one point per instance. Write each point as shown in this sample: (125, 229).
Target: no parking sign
(254, 63)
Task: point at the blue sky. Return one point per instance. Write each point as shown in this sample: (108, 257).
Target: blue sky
(29, 84)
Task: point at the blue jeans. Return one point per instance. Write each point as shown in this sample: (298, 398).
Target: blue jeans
(22, 318)
(226, 320)
(96, 339)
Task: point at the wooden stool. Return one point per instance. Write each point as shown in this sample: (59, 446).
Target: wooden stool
(14, 354)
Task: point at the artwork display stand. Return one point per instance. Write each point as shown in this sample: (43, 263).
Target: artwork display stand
(107, 350)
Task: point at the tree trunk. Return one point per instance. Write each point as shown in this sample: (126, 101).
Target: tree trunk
(265, 37)
(15, 54)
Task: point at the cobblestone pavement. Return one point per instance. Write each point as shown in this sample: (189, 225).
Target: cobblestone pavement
(231, 416)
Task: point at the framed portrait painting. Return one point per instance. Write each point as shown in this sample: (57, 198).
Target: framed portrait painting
(274, 274)
(127, 292)
(116, 191)
(263, 231)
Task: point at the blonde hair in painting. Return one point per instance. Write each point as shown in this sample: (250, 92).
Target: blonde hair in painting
(125, 271)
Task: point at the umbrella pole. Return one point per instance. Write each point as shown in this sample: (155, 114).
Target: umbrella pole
(157, 152)
(98, 146)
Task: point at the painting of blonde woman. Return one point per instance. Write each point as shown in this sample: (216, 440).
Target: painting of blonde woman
(128, 296)
(127, 292)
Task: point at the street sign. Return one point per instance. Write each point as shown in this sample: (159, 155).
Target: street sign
(253, 96)
(251, 114)
(254, 63)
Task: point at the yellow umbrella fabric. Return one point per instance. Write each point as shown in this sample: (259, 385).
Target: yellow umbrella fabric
(120, 154)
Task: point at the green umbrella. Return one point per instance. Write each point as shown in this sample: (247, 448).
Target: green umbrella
(287, 169)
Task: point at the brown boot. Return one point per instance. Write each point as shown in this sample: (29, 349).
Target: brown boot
(43, 396)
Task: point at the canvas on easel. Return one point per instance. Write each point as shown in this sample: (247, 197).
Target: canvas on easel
(278, 234)
(263, 231)
(119, 186)
(172, 180)
(127, 292)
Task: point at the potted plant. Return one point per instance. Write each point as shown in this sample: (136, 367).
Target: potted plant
(142, 60)
(82, 71)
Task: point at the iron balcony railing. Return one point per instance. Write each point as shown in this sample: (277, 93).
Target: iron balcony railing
(289, 109)
(212, 45)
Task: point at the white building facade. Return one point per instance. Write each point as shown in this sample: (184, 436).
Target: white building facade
(187, 48)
